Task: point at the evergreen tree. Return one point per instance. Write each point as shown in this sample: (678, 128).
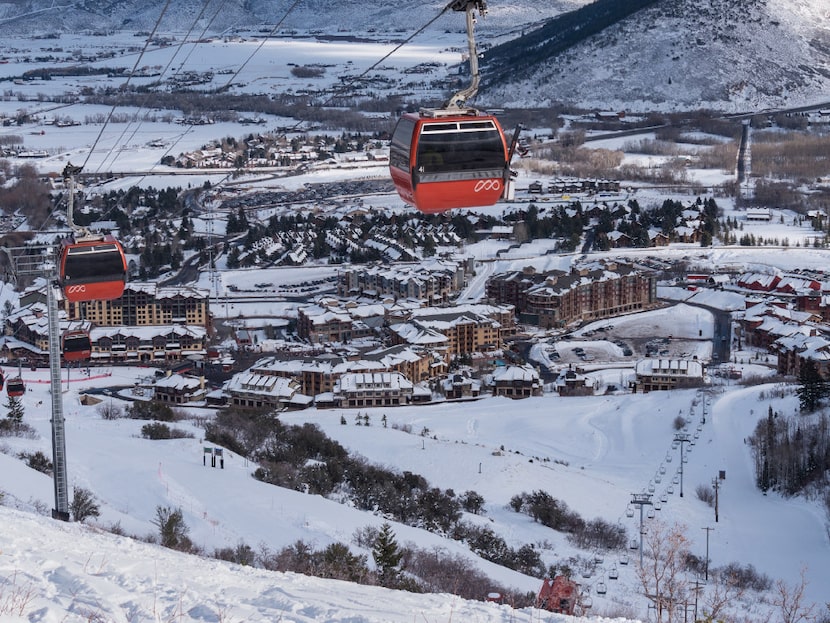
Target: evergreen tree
(387, 556)
(429, 246)
(15, 412)
(812, 386)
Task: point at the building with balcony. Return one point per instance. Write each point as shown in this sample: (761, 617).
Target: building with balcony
(664, 374)
(557, 298)
(372, 389)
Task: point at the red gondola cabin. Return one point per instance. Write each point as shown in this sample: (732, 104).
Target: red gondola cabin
(15, 387)
(440, 160)
(93, 270)
(76, 346)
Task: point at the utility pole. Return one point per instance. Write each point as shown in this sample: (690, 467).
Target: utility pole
(716, 485)
(706, 564)
(698, 585)
(641, 499)
(681, 438)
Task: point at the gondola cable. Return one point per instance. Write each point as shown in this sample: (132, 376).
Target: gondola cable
(129, 77)
(114, 153)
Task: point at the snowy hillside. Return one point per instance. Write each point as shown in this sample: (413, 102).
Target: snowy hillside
(679, 55)
(53, 572)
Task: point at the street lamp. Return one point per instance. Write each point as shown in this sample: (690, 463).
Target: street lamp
(681, 438)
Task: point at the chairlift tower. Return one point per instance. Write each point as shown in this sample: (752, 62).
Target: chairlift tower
(682, 438)
(41, 262)
(641, 499)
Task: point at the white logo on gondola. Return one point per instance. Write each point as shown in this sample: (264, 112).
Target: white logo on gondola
(487, 185)
(75, 289)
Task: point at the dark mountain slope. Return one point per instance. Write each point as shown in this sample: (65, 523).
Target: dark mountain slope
(519, 57)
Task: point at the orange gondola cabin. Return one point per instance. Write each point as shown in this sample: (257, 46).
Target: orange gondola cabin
(92, 269)
(15, 387)
(76, 346)
(441, 159)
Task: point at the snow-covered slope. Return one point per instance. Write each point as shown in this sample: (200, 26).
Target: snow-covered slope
(726, 55)
(51, 572)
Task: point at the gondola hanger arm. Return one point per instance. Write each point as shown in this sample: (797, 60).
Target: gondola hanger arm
(459, 99)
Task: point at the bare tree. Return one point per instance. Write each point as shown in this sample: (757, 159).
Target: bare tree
(661, 574)
(725, 592)
(791, 600)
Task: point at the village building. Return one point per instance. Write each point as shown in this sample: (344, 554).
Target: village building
(252, 390)
(794, 350)
(764, 323)
(460, 387)
(467, 329)
(759, 282)
(516, 382)
(557, 298)
(146, 304)
(572, 383)
(373, 389)
(148, 344)
(179, 389)
(814, 302)
(431, 282)
(759, 215)
(664, 374)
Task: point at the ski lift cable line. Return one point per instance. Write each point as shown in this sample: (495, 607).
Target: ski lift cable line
(232, 78)
(259, 47)
(135, 67)
(113, 154)
(350, 83)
